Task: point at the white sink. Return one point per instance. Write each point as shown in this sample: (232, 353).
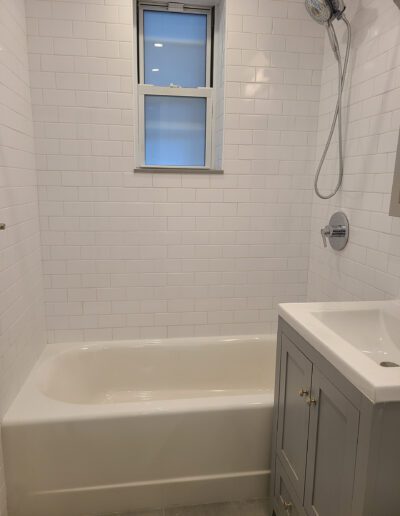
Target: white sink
(375, 332)
(361, 339)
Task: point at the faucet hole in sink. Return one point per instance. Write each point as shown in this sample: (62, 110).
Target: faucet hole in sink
(389, 364)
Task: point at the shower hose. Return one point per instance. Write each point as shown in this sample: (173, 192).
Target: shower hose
(338, 111)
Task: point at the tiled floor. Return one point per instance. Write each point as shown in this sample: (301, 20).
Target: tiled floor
(252, 508)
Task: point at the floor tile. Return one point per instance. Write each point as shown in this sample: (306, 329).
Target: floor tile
(150, 513)
(255, 508)
(250, 508)
(217, 509)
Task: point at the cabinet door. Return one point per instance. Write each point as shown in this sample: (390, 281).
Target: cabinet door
(293, 414)
(332, 448)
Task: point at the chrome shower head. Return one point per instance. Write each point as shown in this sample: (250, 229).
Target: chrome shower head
(319, 10)
(323, 11)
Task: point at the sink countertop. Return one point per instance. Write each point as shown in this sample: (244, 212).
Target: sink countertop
(354, 336)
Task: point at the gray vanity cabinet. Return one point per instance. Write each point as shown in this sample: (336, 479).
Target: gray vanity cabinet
(332, 447)
(293, 414)
(335, 453)
(316, 438)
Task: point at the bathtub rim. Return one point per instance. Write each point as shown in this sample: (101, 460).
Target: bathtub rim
(31, 406)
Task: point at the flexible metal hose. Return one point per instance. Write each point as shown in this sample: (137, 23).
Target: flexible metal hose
(338, 111)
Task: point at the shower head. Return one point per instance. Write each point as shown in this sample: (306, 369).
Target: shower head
(319, 10)
(323, 11)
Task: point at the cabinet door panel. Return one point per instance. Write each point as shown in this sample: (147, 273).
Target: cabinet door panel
(293, 414)
(332, 451)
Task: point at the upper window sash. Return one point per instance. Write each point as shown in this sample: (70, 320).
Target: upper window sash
(179, 8)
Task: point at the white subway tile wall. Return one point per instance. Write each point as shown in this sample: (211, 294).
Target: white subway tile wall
(133, 255)
(138, 255)
(22, 334)
(369, 268)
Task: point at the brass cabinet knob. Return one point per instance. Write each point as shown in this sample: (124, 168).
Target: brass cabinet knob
(303, 392)
(311, 401)
(287, 506)
(2, 226)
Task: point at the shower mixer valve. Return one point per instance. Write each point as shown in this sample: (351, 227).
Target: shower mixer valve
(332, 232)
(337, 231)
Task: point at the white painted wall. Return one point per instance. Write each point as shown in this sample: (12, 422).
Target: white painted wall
(22, 333)
(128, 255)
(369, 268)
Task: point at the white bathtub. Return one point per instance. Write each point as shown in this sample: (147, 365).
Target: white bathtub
(116, 426)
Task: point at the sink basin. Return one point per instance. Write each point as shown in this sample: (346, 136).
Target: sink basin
(360, 338)
(375, 332)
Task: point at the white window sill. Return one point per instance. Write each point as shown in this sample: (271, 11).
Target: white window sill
(177, 170)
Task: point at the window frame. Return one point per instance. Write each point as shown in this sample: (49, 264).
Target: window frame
(206, 92)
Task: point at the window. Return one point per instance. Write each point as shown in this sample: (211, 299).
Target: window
(175, 86)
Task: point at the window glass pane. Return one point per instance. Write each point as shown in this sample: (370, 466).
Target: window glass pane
(175, 131)
(175, 49)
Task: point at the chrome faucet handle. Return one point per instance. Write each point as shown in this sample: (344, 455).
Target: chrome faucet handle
(326, 232)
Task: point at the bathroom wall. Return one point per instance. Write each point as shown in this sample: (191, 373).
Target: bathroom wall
(369, 268)
(21, 307)
(138, 255)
